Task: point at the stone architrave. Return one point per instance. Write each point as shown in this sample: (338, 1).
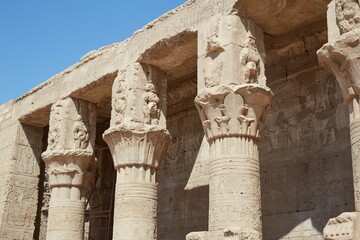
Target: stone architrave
(340, 56)
(68, 156)
(232, 103)
(137, 141)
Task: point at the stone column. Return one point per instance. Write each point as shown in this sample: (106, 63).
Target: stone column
(137, 140)
(341, 57)
(68, 156)
(232, 103)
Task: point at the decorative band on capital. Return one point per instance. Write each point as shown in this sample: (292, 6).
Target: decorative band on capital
(67, 160)
(137, 144)
(233, 110)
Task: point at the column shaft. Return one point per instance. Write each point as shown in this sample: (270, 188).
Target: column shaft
(66, 220)
(232, 103)
(135, 210)
(68, 157)
(340, 56)
(137, 141)
(355, 152)
(235, 190)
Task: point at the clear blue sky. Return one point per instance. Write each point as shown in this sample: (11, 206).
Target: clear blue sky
(39, 39)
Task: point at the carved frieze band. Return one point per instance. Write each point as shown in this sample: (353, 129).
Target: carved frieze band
(233, 110)
(137, 145)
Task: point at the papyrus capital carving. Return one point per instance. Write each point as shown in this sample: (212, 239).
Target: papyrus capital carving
(233, 110)
(137, 145)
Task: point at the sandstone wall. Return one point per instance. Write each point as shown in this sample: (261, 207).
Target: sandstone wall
(20, 167)
(305, 157)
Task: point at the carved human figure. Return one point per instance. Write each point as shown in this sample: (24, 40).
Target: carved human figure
(250, 59)
(244, 115)
(81, 135)
(348, 14)
(54, 132)
(151, 105)
(224, 119)
(120, 101)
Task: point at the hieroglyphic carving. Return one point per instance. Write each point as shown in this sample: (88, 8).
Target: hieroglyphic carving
(347, 14)
(229, 215)
(21, 198)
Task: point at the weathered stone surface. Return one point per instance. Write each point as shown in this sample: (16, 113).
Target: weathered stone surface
(205, 182)
(68, 157)
(138, 141)
(341, 57)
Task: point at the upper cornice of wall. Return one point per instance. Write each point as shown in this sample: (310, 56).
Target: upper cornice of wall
(276, 17)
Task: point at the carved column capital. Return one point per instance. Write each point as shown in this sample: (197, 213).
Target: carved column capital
(71, 141)
(68, 156)
(137, 139)
(341, 57)
(233, 110)
(134, 144)
(344, 226)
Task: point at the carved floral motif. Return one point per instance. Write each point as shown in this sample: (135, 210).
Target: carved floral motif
(232, 110)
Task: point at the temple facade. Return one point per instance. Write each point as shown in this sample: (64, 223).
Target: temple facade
(220, 120)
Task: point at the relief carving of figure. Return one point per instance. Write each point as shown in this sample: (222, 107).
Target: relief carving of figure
(120, 102)
(54, 131)
(348, 14)
(243, 115)
(81, 135)
(250, 59)
(224, 116)
(151, 105)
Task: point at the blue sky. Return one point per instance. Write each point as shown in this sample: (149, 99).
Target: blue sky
(39, 39)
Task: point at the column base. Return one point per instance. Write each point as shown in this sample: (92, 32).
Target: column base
(231, 233)
(197, 236)
(346, 226)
